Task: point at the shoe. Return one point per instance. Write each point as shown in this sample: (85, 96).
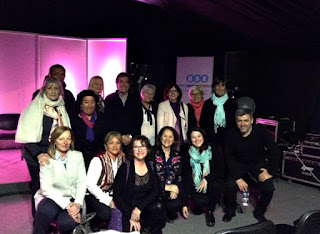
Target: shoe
(210, 219)
(197, 211)
(259, 217)
(227, 217)
(94, 228)
(171, 217)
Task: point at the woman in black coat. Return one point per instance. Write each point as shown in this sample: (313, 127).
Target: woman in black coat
(218, 113)
(83, 125)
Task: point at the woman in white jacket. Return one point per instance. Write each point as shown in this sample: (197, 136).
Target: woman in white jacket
(62, 185)
(173, 112)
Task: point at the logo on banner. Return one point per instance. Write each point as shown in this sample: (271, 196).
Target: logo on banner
(197, 78)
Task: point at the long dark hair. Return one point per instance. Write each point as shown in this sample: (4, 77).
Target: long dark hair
(175, 144)
(205, 144)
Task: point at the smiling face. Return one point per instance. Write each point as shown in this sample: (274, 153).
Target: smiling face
(220, 89)
(173, 94)
(123, 85)
(147, 96)
(52, 91)
(196, 96)
(196, 139)
(88, 105)
(58, 73)
(113, 146)
(97, 85)
(244, 124)
(63, 142)
(139, 150)
(167, 138)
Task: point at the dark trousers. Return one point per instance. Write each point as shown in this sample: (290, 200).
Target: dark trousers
(152, 218)
(103, 212)
(210, 198)
(49, 211)
(33, 167)
(266, 188)
(171, 205)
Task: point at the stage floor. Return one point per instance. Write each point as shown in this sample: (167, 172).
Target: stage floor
(13, 169)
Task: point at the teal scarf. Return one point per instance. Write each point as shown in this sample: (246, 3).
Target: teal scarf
(196, 159)
(219, 115)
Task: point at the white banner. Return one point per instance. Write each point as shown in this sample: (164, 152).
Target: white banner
(195, 71)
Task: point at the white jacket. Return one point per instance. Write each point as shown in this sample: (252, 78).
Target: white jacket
(60, 183)
(166, 117)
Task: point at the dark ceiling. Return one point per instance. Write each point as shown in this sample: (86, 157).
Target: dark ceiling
(193, 27)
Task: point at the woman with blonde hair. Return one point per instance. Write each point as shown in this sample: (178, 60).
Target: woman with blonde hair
(96, 84)
(37, 122)
(63, 185)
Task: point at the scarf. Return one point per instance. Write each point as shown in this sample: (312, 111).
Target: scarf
(196, 159)
(90, 124)
(197, 107)
(148, 112)
(29, 129)
(106, 178)
(219, 115)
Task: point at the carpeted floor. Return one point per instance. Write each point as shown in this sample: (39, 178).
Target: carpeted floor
(290, 201)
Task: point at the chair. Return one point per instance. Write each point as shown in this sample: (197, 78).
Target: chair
(308, 223)
(8, 127)
(266, 227)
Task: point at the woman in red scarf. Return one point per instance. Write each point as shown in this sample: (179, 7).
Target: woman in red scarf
(83, 124)
(195, 105)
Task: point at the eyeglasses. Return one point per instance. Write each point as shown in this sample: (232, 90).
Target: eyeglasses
(196, 94)
(136, 147)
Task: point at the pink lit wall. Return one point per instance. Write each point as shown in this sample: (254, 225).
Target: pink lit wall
(25, 60)
(17, 70)
(107, 58)
(70, 53)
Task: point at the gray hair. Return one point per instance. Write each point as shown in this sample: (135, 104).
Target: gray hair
(195, 87)
(242, 112)
(148, 87)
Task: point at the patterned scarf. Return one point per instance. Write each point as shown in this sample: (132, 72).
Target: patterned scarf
(219, 115)
(196, 159)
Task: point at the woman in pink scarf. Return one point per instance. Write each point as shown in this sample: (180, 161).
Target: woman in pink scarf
(195, 105)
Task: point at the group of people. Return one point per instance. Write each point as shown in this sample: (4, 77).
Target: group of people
(149, 162)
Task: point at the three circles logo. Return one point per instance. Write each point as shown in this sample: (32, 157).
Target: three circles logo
(197, 78)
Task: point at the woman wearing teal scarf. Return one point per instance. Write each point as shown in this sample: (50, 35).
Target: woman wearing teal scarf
(203, 175)
(218, 111)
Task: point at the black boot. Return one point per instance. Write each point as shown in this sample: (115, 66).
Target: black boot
(210, 219)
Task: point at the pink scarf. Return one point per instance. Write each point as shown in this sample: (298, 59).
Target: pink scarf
(197, 107)
(86, 120)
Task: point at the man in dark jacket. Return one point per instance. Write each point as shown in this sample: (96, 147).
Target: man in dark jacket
(122, 111)
(58, 72)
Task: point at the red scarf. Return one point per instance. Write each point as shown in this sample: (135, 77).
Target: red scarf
(197, 107)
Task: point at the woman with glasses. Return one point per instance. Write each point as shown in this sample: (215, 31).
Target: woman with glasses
(195, 105)
(136, 190)
(168, 166)
(174, 113)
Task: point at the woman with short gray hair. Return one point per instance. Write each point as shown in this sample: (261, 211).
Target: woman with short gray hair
(148, 112)
(195, 105)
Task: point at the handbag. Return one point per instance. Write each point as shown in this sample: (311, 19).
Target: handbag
(115, 222)
(83, 226)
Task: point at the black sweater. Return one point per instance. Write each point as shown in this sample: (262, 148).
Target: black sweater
(250, 151)
(207, 120)
(125, 190)
(217, 167)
